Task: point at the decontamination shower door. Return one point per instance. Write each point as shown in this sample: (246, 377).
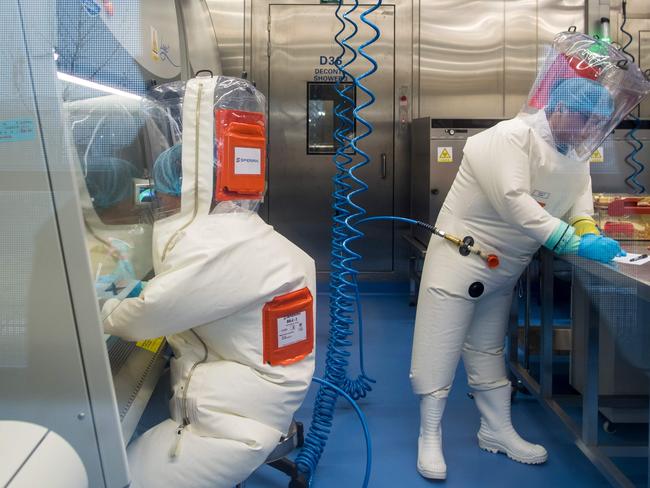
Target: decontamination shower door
(302, 96)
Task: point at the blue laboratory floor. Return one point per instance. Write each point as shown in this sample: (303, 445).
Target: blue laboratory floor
(393, 417)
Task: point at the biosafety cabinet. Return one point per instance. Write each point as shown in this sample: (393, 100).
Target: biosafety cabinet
(74, 228)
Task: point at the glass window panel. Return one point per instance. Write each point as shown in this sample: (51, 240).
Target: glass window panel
(323, 101)
(107, 59)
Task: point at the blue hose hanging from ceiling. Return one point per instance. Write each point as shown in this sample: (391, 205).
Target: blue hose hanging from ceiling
(637, 146)
(344, 290)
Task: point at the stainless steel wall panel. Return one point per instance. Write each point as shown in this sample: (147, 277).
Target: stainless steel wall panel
(200, 36)
(415, 31)
(461, 58)
(405, 18)
(520, 53)
(228, 17)
(637, 8)
(482, 64)
(594, 11)
(638, 25)
(558, 15)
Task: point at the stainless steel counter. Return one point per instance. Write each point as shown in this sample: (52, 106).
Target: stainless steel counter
(594, 284)
(637, 275)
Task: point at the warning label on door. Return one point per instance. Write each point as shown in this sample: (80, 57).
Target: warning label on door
(445, 154)
(598, 156)
(292, 329)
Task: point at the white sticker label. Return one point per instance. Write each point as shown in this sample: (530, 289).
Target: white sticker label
(248, 161)
(292, 329)
(445, 154)
(15, 130)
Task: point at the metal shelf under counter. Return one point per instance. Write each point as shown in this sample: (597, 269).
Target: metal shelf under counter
(595, 291)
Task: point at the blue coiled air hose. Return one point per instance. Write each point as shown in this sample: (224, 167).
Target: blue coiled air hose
(638, 166)
(364, 424)
(344, 291)
(637, 146)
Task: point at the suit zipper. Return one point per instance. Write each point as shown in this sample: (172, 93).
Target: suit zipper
(180, 430)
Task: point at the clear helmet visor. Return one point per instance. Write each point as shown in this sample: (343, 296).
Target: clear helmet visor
(585, 87)
(163, 112)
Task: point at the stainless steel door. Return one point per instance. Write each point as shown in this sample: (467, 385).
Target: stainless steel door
(302, 51)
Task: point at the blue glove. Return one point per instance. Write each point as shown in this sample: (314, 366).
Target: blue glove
(599, 248)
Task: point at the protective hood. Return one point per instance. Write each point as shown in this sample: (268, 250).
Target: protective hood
(585, 88)
(234, 298)
(209, 141)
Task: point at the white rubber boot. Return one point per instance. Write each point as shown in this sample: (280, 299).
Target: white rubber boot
(497, 433)
(431, 462)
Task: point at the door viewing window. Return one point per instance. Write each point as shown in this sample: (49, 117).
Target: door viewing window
(322, 101)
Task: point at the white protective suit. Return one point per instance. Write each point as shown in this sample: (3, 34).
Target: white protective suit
(511, 189)
(515, 182)
(214, 274)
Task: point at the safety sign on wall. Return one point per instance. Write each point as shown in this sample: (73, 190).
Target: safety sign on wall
(598, 156)
(445, 154)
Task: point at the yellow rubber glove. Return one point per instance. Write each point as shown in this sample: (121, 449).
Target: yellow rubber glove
(584, 225)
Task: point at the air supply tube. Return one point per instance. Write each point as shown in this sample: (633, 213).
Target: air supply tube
(344, 303)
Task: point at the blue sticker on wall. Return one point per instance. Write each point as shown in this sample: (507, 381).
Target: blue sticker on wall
(91, 7)
(15, 130)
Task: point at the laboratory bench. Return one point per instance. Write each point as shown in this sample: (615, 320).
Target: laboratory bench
(609, 315)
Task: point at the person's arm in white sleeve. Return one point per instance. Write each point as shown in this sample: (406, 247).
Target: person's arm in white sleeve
(158, 311)
(177, 300)
(501, 166)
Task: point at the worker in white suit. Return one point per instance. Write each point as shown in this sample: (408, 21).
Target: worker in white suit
(233, 297)
(516, 183)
